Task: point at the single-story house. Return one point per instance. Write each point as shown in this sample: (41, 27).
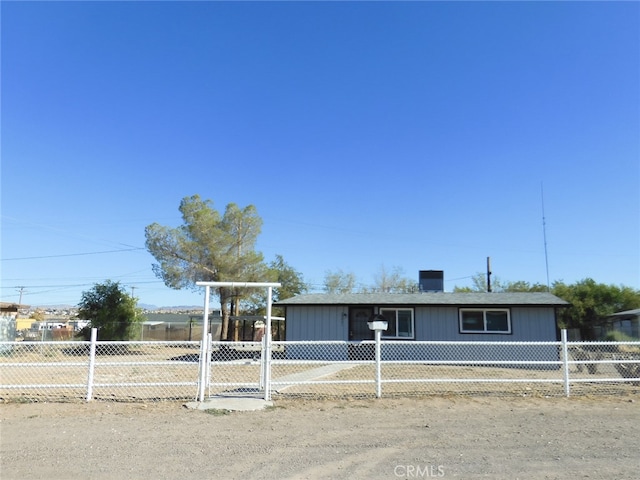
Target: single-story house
(8, 316)
(425, 316)
(627, 322)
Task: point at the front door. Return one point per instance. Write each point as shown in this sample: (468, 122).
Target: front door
(358, 328)
(358, 331)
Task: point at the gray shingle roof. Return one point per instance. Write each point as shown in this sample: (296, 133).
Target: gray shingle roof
(626, 313)
(428, 298)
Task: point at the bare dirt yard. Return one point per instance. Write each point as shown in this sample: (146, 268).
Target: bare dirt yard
(393, 438)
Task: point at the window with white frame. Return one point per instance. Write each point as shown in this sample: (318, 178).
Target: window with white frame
(485, 320)
(400, 322)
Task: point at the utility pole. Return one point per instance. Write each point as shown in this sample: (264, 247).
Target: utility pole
(488, 274)
(132, 290)
(21, 290)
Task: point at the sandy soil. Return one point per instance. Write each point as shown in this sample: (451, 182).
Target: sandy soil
(435, 437)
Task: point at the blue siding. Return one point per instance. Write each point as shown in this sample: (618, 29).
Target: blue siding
(317, 323)
(436, 323)
(533, 324)
(337, 353)
(413, 351)
(431, 324)
(527, 324)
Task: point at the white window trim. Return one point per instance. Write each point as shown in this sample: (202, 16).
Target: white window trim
(484, 316)
(413, 323)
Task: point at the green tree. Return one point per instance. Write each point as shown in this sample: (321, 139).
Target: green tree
(479, 284)
(292, 283)
(208, 247)
(522, 286)
(112, 311)
(38, 315)
(339, 282)
(384, 281)
(393, 281)
(591, 302)
(243, 263)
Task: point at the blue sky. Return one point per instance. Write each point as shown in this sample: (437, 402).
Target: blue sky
(415, 135)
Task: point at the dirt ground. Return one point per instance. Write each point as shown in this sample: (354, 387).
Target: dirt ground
(428, 437)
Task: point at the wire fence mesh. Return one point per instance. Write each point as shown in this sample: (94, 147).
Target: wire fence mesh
(420, 368)
(460, 368)
(123, 371)
(189, 328)
(151, 370)
(600, 367)
(54, 371)
(236, 368)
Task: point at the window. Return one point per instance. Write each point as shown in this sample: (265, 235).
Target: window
(400, 322)
(480, 320)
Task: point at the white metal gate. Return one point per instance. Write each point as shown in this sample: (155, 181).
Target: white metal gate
(206, 352)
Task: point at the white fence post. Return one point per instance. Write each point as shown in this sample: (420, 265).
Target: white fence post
(208, 362)
(565, 361)
(204, 348)
(378, 365)
(202, 369)
(267, 348)
(92, 363)
(263, 360)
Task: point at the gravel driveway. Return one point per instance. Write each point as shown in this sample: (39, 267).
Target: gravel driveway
(427, 437)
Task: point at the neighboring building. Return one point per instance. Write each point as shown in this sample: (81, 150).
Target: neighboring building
(24, 323)
(627, 322)
(8, 316)
(428, 316)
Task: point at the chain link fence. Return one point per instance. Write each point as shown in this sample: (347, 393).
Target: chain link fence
(457, 368)
(236, 368)
(152, 370)
(188, 328)
(122, 371)
(599, 367)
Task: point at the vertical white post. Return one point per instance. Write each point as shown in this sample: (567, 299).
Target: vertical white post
(92, 363)
(204, 347)
(378, 364)
(207, 363)
(267, 348)
(263, 358)
(565, 361)
(205, 316)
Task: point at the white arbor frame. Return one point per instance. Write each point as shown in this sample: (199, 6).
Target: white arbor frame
(205, 350)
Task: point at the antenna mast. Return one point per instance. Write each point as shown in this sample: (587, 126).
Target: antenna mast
(544, 235)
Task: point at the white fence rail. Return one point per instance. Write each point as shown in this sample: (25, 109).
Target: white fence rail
(149, 371)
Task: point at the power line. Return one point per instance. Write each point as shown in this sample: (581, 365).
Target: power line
(71, 254)
(64, 231)
(84, 284)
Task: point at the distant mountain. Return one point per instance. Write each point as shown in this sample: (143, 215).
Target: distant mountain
(144, 306)
(54, 307)
(176, 308)
(172, 308)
